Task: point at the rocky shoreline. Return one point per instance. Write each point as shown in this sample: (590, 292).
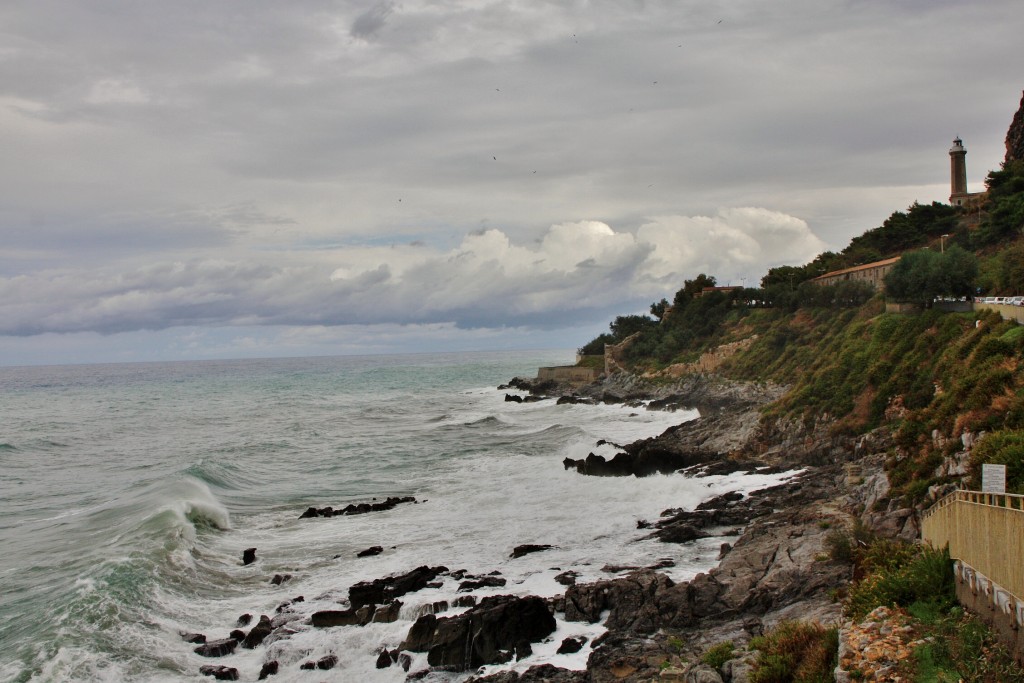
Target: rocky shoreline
(777, 568)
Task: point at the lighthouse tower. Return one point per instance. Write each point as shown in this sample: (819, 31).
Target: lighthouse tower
(958, 173)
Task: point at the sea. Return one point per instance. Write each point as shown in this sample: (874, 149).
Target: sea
(128, 493)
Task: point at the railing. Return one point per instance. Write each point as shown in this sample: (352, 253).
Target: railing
(982, 530)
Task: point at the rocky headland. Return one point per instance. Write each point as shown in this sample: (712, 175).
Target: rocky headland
(777, 568)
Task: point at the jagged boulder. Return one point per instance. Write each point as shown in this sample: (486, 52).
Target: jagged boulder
(380, 591)
(490, 633)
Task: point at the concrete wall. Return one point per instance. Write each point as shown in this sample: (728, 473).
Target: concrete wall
(998, 608)
(1008, 312)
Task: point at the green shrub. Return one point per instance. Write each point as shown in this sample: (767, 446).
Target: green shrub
(899, 574)
(795, 652)
(718, 655)
(1000, 448)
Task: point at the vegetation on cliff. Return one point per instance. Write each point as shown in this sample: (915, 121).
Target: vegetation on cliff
(932, 377)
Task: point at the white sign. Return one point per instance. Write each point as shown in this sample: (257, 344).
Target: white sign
(993, 478)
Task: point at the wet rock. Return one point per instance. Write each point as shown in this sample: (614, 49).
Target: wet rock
(544, 673)
(384, 660)
(482, 582)
(465, 601)
(237, 634)
(571, 645)
(528, 548)
(217, 648)
(357, 508)
(248, 556)
(195, 638)
(326, 663)
(486, 634)
(280, 578)
(244, 620)
(268, 669)
(567, 578)
(513, 398)
(220, 673)
(347, 617)
(258, 633)
(370, 552)
(405, 661)
(380, 591)
(389, 612)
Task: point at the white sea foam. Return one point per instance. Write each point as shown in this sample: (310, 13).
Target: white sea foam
(182, 470)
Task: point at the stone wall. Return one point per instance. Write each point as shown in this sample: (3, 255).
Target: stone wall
(570, 374)
(709, 360)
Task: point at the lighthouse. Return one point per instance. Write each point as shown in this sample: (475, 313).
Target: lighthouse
(958, 173)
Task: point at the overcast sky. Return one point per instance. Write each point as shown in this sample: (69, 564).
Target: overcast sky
(199, 179)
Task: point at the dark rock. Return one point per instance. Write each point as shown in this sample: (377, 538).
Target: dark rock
(544, 673)
(384, 660)
(567, 578)
(217, 648)
(370, 552)
(679, 533)
(528, 548)
(380, 591)
(357, 508)
(486, 634)
(388, 613)
(248, 556)
(465, 601)
(326, 663)
(348, 617)
(221, 673)
(258, 633)
(307, 666)
(237, 634)
(482, 582)
(523, 650)
(244, 620)
(193, 637)
(571, 645)
(513, 398)
(280, 578)
(405, 661)
(269, 669)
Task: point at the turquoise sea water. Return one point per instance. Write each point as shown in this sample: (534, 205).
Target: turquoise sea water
(128, 492)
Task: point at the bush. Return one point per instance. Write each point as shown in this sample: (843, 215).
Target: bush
(1005, 447)
(718, 655)
(795, 652)
(900, 574)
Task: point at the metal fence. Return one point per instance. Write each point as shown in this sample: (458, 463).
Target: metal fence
(983, 530)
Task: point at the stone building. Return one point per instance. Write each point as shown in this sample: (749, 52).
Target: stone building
(871, 273)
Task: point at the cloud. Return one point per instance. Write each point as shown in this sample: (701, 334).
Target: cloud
(367, 24)
(576, 273)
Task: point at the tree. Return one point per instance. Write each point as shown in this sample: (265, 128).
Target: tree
(658, 309)
(922, 275)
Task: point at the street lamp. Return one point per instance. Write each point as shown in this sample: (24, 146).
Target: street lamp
(942, 244)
